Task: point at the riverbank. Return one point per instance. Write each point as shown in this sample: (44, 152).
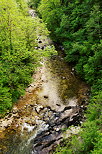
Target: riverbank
(55, 100)
(54, 97)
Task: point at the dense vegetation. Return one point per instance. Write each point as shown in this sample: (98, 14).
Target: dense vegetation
(77, 26)
(18, 57)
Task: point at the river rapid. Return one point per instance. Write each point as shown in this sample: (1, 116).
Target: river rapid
(54, 101)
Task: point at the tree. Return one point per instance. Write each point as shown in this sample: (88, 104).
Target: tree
(18, 56)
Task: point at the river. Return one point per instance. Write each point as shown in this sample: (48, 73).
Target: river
(54, 101)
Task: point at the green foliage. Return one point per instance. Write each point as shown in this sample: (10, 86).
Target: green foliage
(5, 99)
(51, 13)
(18, 57)
(49, 51)
(93, 68)
(77, 26)
(22, 5)
(33, 3)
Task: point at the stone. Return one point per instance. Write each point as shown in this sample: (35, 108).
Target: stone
(63, 77)
(38, 108)
(45, 97)
(39, 41)
(73, 69)
(58, 104)
(32, 85)
(56, 129)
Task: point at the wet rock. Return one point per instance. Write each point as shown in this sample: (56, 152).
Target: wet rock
(45, 141)
(56, 129)
(46, 119)
(32, 85)
(27, 127)
(44, 110)
(42, 47)
(46, 97)
(58, 104)
(39, 41)
(29, 90)
(36, 47)
(49, 108)
(15, 109)
(73, 69)
(38, 108)
(67, 108)
(63, 77)
(32, 105)
(62, 58)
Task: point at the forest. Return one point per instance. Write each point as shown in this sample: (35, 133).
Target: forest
(76, 26)
(18, 56)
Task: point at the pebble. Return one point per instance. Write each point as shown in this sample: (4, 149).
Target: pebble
(38, 108)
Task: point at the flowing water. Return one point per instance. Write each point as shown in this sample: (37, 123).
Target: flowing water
(55, 100)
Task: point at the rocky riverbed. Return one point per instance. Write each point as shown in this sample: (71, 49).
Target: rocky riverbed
(54, 101)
